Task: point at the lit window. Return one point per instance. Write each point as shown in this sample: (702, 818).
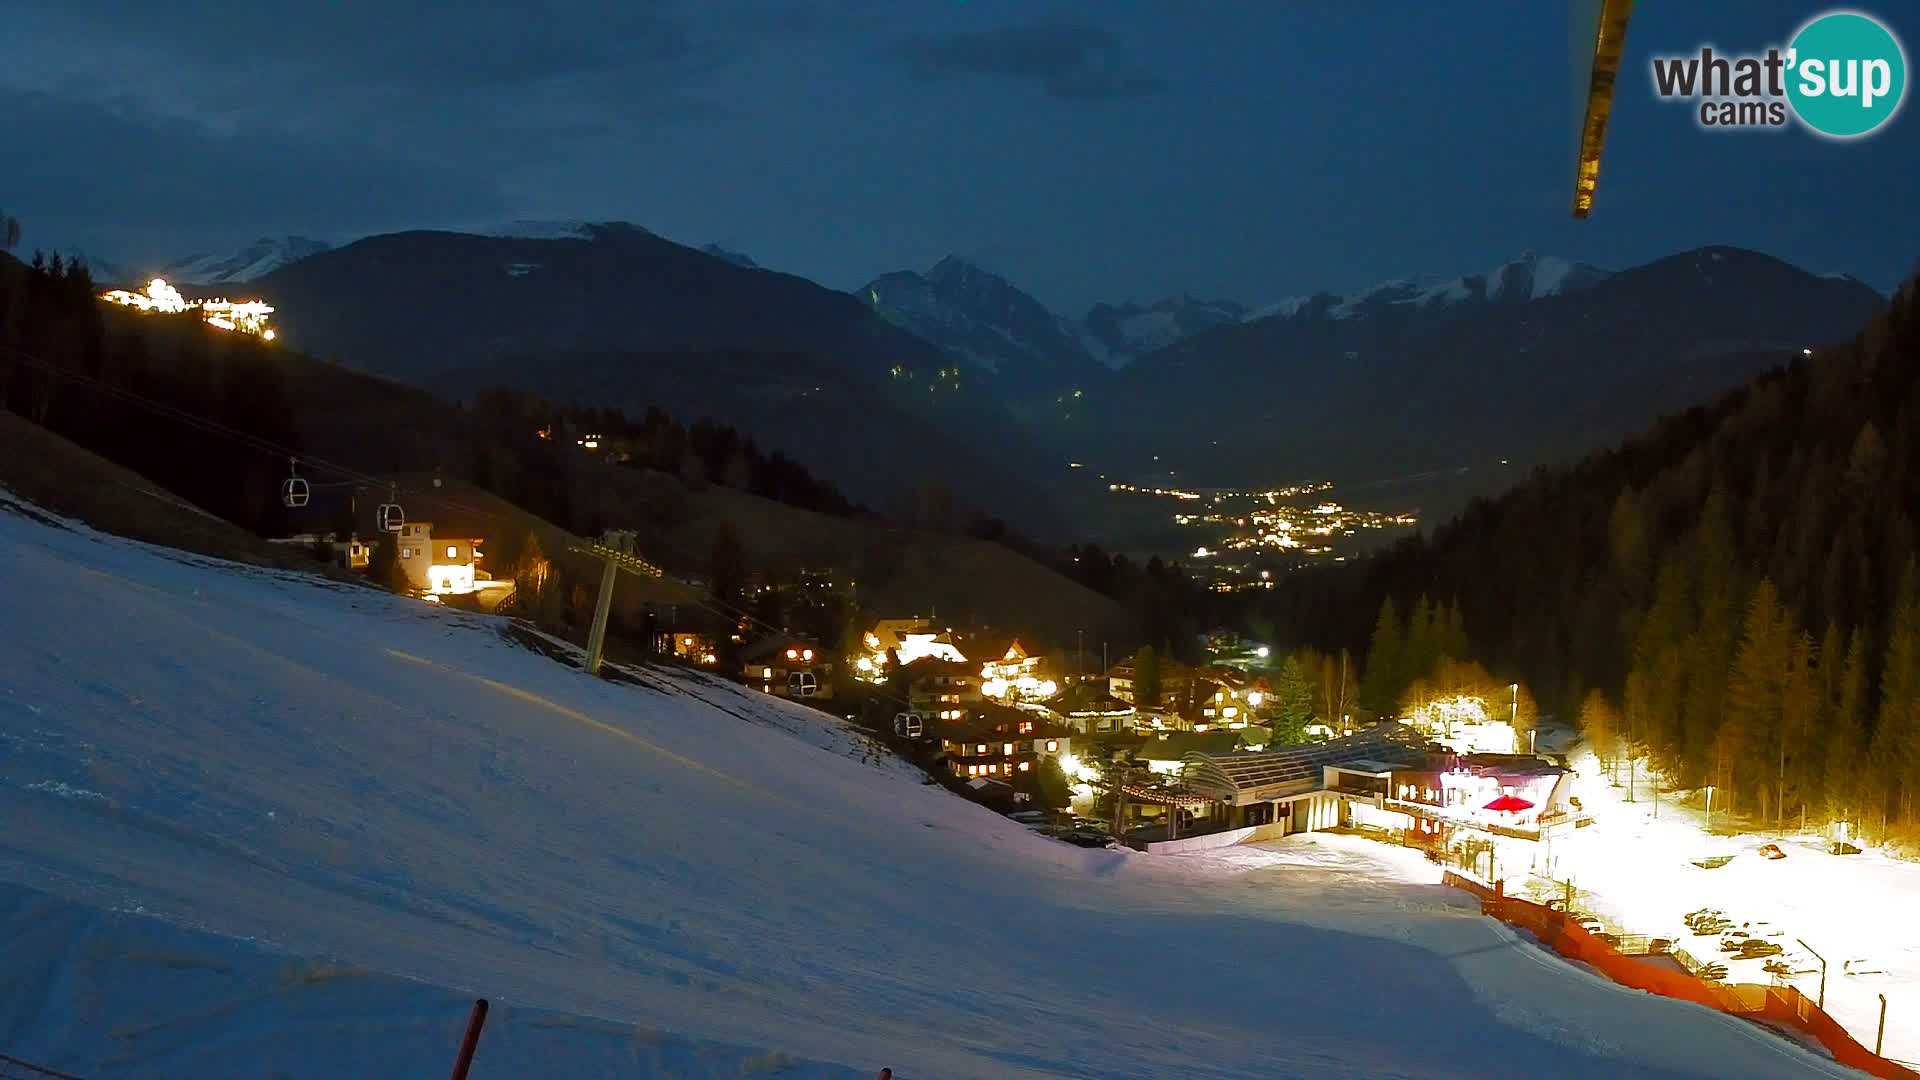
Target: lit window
(1007, 749)
(452, 552)
(406, 553)
(1024, 765)
(766, 673)
(1026, 727)
(981, 749)
(1053, 745)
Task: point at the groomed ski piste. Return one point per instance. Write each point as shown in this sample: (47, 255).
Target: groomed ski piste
(258, 824)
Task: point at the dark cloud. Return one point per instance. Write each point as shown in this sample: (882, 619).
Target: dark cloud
(442, 46)
(1067, 61)
(118, 165)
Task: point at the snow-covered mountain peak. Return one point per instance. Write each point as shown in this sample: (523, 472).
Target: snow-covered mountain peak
(256, 260)
(1525, 277)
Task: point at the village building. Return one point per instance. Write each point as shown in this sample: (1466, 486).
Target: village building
(939, 689)
(998, 743)
(787, 666)
(902, 640)
(442, 562)
(1390, 779)
(1087, 707)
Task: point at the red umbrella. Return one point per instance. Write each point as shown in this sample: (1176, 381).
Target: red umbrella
(1509, 803)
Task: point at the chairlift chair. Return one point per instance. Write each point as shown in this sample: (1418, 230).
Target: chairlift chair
(801, 684)
(390, 517)
(294, 492)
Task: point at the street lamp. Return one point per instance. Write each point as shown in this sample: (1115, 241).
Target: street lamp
(1823, 972)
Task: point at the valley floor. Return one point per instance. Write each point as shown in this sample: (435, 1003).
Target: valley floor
(266, 825)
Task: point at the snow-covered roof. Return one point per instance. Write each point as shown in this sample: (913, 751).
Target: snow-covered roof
(1295, 769)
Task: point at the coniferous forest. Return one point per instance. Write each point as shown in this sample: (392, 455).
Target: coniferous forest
(1734, 594)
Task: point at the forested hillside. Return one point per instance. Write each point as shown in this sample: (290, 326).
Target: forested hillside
(1734, 592)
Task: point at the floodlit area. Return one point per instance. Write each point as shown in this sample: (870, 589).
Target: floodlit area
(264, 824)
(1858, 911)
(243, 316)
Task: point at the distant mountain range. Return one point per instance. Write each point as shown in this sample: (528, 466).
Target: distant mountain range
(1533, 361)
(611, 314)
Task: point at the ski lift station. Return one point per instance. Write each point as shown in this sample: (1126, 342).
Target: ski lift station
(1388, 779)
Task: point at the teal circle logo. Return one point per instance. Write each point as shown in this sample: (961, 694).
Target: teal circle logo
(1847, 74)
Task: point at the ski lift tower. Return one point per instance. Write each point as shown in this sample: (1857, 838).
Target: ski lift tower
(1599, 40)
(617, 551)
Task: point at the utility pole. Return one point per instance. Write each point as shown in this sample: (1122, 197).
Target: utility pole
(1341, 711)
(1880, 1037)
(615, 550)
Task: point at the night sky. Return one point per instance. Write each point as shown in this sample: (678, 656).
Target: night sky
(1098, 151)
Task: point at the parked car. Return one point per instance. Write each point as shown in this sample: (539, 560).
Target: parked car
(1771, 851)
(1841, 847)
(1753, 948)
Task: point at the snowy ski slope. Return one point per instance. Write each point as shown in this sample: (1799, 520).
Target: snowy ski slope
(253, 824)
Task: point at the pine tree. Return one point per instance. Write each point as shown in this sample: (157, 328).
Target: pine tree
(1601, 727)
(1146, 678)
(1896, 740)
(1293, 704)
(1422, 648)
(1750, 728)
(383, 564)
(1847, 733)
(1453, 638)
(727, 568)
(1801, 769)
(1380, 687)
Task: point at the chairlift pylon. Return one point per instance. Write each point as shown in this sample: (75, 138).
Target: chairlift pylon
(294, 492)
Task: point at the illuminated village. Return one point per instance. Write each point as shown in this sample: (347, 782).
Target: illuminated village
(1246, 535)
(242, 316)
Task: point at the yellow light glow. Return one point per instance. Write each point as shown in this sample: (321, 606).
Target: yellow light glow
(245, 316)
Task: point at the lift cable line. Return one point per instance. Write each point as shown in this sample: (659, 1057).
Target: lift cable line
(618, 556)
(353, 477)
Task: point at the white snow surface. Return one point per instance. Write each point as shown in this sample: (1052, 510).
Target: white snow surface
(1856, 910)
(257, 824)
(256, 260)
